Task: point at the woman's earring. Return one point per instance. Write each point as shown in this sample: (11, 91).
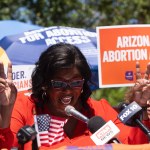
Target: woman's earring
(44, 95)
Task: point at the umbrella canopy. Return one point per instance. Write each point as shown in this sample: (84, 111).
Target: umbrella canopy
(25, 48)
(11, 27)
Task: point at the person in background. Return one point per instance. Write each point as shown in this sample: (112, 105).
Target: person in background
(140, 93)
(61, 77)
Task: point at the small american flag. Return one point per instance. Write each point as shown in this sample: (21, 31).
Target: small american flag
(42, 125)
(43, 122)
(49, 129)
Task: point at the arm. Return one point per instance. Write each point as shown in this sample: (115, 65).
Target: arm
(8, 93)
(140, 93)
(21, 115)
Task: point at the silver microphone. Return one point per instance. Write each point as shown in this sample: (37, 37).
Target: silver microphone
(71, 111)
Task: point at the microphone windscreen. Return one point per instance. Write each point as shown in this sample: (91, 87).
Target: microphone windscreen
(122, 105)
(95, 123)
(68, 109)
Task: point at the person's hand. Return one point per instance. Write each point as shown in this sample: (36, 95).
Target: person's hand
(141, 89)
(8, 90)
(8, 93)
(140, 92)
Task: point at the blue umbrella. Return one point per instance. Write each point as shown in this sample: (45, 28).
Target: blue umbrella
(11, 27)
(25, 48)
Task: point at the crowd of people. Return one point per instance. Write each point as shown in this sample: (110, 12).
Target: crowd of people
(61, 77)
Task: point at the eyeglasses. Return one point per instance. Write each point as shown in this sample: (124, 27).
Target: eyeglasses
(62, 84)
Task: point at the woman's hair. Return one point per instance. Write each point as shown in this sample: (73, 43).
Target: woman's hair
(56, 57)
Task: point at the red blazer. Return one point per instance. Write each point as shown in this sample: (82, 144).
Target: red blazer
(23, 115)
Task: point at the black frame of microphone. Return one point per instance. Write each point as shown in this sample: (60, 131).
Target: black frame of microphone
(26, 134)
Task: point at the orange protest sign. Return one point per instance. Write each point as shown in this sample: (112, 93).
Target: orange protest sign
(120, 47)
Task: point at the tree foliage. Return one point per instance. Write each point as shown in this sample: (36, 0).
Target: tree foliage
(82, 14)
(77, 13)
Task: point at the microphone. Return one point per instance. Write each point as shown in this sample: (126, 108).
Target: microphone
(103, 132)
(71, 111)
(97, 126)
(130, 116)
(26, 134)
